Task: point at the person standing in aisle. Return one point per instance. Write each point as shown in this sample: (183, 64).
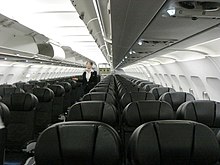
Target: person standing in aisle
(89, 78)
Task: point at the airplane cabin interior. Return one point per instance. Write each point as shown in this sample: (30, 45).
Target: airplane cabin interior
(110, 82)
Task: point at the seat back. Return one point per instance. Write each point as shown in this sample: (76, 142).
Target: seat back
(175, 99)
(172, 143)
(99, 96)
(9, 90)
(78, 143)
(4, 120)
(135, 96)
(202, 111)
(159, 91)
(148, 87)
(139, 112)
(22, 117)
(28, 87)
(58, 101)
(44, 108)
(94, 111)
(103, 89)
(67, 97)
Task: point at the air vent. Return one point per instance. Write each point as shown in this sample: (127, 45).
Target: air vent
(205, 6)
(159, 42)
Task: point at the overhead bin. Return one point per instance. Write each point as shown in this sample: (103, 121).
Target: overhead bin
(51, 50)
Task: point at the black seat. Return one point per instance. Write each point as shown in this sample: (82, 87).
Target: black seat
(94, 111)
(44, 108)
(175, 99)
(158, 91)
(139, 112)
(22, 117)
(78, 143)
(173, 143)
(9, 90)
(29, 87)
(203, 111)
(148, 87)
(67, 97)
(4, 120)
(135, 96)
(103, 89)
(58, 101)
(99, 96)
(41, 84)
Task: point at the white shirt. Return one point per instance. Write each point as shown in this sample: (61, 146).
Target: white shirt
(88, 74)
(1, 123)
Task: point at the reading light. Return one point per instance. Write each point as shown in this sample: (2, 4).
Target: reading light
(126, 57)
(171, 12)
(140, 42)
(130, 52)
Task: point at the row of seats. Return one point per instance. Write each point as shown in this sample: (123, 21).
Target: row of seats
(33, 107)
(166, 140)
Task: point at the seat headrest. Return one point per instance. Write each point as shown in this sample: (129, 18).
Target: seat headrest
(203, 111)
(43, 94)
(135, 96)
(28, 87)
(173, 142)
(158, 91)
(4, 115)
(175, 99)
(148, 87)
(99, 96)
(67, 86)
(57, 89)
(21, 101)
(93, 111)
(78, 143)
(41, 84)
(9, 90)
(139, 112)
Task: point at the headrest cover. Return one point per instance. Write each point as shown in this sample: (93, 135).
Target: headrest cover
(135, 96)
(173, 143)
(43, 94)
(78, 143)
(4, 115)
(57, 89)
(137, 113)
(202, 111)
(158, 91)
(93, 111)
(21, 101)
(175, 99)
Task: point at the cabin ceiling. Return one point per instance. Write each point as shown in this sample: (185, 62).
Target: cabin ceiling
(148, 21)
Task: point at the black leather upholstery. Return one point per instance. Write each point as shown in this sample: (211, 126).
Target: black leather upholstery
(41, 84)
(99, 96)
(22, 114)
(44, 111)
(137, 113)
(158, 91)
(203, 111)
(103, 89)
(67, 97)
(94, 111)
(173, 143)
(58, 100)
(28, 87)
(9, 90)
(78, 143)
(175, 99)
(148, 87)
(4, 120)
(135, 96)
